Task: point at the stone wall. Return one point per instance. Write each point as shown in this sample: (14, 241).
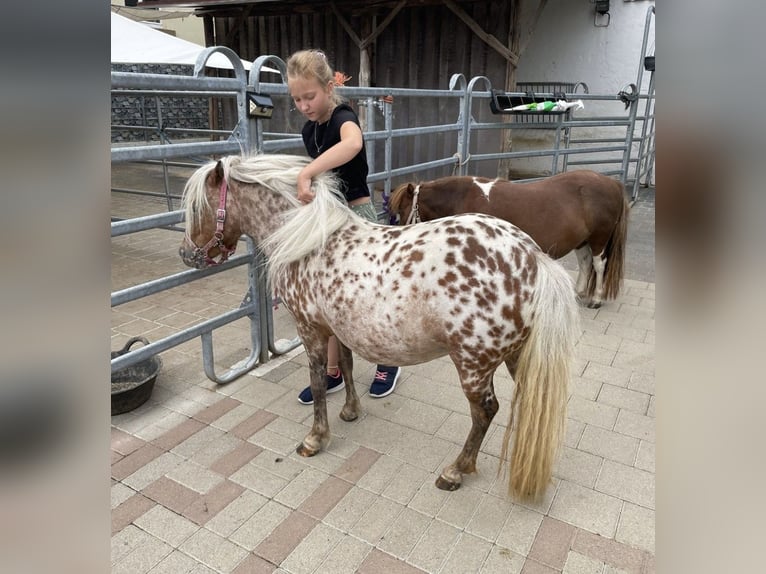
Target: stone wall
(141, 110)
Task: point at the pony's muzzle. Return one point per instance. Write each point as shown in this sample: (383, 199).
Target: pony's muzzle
(191, 255)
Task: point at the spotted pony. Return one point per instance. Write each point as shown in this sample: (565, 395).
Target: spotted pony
(473, 287)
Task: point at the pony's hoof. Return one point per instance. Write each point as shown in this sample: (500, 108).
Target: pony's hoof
(303, 450)
(348, 416)
(444, 484)
(594, 305)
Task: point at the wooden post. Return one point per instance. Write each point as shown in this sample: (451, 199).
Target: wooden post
(517, 48)
(364, 64)
(504, 165)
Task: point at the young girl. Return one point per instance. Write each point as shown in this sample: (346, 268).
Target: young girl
(332, 137)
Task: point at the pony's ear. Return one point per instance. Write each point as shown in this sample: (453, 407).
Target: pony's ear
(216, 175)
(410, 189)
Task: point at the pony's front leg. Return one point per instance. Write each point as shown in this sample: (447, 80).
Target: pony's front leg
(351, 408)
(319, 436)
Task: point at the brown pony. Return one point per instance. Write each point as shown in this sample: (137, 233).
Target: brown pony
(578, 210)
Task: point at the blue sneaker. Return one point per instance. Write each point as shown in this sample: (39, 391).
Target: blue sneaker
(385, 381)
(334, 384)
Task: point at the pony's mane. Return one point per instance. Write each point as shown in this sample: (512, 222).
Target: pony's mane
(194, 202)
(304, 228)
(395, 200)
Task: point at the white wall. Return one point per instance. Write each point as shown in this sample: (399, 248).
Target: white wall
(568, 47)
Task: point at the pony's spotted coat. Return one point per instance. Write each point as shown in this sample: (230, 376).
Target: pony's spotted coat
(473, 287)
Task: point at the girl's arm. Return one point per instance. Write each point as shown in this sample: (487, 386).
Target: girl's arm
(342, 152)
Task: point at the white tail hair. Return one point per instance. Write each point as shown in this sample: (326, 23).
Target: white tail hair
(542, 377)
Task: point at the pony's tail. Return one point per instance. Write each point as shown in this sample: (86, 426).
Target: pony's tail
(615, 255)
(542, 376)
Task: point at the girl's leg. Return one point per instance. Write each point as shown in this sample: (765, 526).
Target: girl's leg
(332, 356)
(335, 381)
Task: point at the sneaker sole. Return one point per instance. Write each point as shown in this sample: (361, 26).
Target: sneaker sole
(391, 390)
(340, 387)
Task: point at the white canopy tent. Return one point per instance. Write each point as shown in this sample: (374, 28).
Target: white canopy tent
(136, 43)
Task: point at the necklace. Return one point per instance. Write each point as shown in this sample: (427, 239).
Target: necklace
(324, 133)
(316, 143)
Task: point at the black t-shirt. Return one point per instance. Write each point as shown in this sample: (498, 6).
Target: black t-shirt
(318, 138)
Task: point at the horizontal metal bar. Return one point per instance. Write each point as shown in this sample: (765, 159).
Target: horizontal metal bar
(595, 161)
(278, 145)
(126, 127)
(591, 121)
(132, 80)
(404, 132)
(382, 176)
(360, 92)
(146, 222)
(545, 152)
(598, 140)
(188, 334)
(144, 193)
(175, 93)
(164, 283)
(160, 151)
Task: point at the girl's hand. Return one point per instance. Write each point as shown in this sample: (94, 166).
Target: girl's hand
(305, 195)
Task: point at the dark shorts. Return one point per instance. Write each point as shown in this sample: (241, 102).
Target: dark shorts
(366, 211)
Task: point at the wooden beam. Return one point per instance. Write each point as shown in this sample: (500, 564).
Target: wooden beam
(370, 38)
(384, 24)
(239, 26)
(346, 26)
(489, 39)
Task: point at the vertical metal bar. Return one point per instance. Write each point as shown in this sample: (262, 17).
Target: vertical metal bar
(144, 119)
(370, 146)
(389, 127)
(467, 120)
(643, 150)
(634, 106)
(255, 133)
(556, 144)
(256, 274)
(628, 141)
(459, 81)
(465, 133)
(259, 352)
(165, 178)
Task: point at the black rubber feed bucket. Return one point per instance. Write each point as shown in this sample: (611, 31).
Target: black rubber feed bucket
(132, 386)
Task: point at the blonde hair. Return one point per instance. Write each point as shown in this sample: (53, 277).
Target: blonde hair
(313, 64)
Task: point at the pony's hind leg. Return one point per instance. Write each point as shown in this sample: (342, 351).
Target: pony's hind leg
(599, 265)
(351, 408)
(484, 406)
(584, 268)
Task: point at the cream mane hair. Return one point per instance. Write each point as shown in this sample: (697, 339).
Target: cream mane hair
(304, 228)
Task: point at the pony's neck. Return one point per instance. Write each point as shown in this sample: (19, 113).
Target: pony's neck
(434, 204)
(261, 210)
